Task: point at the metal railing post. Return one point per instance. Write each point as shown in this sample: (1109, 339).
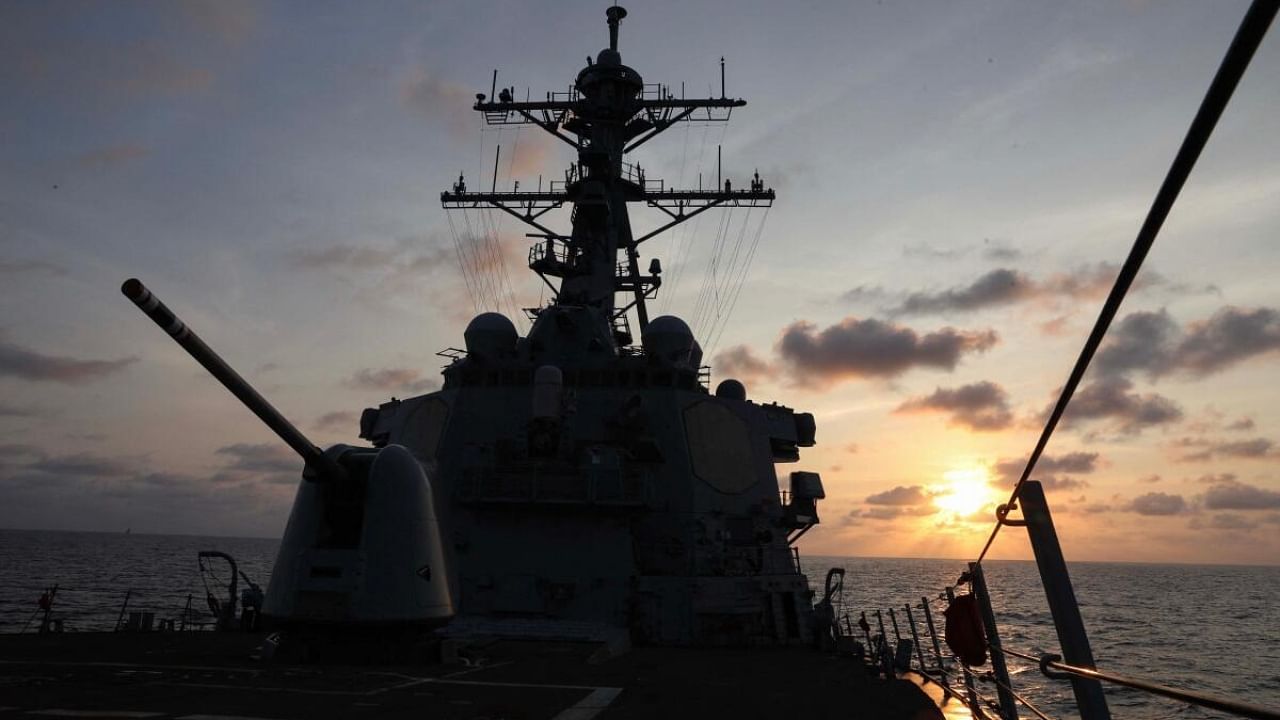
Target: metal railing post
(897, 636)
(915, 637)
(886, 658)
(1062, 600)
(933, 634)
(1008, 703)
(968, 678)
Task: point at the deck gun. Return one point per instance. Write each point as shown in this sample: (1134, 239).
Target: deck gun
(363, 545)
(321, 466)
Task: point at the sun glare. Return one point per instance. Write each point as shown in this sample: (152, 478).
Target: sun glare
(966, 492)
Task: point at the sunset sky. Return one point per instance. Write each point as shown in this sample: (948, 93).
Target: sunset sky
(957, 185)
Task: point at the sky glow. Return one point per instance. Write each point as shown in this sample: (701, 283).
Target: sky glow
(957, 185)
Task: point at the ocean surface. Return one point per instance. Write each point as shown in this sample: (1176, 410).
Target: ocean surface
(1210, 628)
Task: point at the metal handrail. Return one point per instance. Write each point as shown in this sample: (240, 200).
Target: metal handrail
(1063, 671)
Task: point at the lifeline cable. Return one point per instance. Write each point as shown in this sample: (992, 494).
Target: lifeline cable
(1246, 41)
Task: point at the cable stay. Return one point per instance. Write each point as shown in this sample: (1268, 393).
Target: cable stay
(1247, 39)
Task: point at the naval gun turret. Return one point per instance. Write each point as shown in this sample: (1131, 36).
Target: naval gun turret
(362, 547)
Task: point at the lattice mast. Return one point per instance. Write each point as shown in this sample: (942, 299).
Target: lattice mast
(608, 113)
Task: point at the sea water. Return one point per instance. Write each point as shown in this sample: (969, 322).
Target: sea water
(1211, 628)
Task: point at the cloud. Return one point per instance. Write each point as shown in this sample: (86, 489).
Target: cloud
(111, 156)
(1140, 341)
(391, 379)
(529, 158)
(17, 361)
(1224, 521)
(1006, 286)
(1254, 448)
(1047, 467)
(31, 266)
(740, 362)
(889, 512)
(84, 465)
(855, 348)
(347, 420)
(997, 287)
(1152, 342)
(7, 410)
(435, 98)
(1231, 495)
(263, 458)
(1243, 424)
(1157, 503)
(1229, 336)
(979, 406)
(852, 448)
(900, 495)
(1112, 399)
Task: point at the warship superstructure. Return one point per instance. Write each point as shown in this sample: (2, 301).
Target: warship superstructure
(580, 476)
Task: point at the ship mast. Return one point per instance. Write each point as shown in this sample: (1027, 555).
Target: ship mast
(607, 114)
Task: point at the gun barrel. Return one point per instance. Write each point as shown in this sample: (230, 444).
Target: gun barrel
(149, 304)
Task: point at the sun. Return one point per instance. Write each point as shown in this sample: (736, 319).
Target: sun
(966, 492)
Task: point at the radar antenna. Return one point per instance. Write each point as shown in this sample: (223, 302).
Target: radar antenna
(608, 113)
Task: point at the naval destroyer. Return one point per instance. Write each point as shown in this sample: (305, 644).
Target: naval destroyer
(576, 522)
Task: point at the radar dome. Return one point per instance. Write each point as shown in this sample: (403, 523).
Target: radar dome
(731, 390)
(490, 335)
(668, 339)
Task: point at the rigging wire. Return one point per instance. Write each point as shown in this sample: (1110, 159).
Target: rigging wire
(1246, 41)
(462, 267)
(737, 290)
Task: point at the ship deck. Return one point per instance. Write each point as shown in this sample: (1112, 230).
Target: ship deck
(206, 676)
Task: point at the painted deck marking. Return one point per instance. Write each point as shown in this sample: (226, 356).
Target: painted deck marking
(221, 717)
(588, 707)
(60, 712)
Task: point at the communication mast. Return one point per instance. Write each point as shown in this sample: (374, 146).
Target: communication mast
(608, 113)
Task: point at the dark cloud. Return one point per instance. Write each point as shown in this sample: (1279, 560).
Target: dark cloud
(1140, 341)
(864, 293)
(84, 465)
(1224, 521)
(978, 406)
(264, 458)
(741, 363)
(31, 266)
(1203, 450)
(900, 495)
(391, 379)
(1151, 342)
(1005, 286)
(348, 420)
(1244, 424)
(1048, 468)
(7, 410)
(1150, 479)
(1231, 495)
(1157, 503)
(1230, 336)
(872, 348)
(1112, 399)
(17, 361)
(998, 287)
